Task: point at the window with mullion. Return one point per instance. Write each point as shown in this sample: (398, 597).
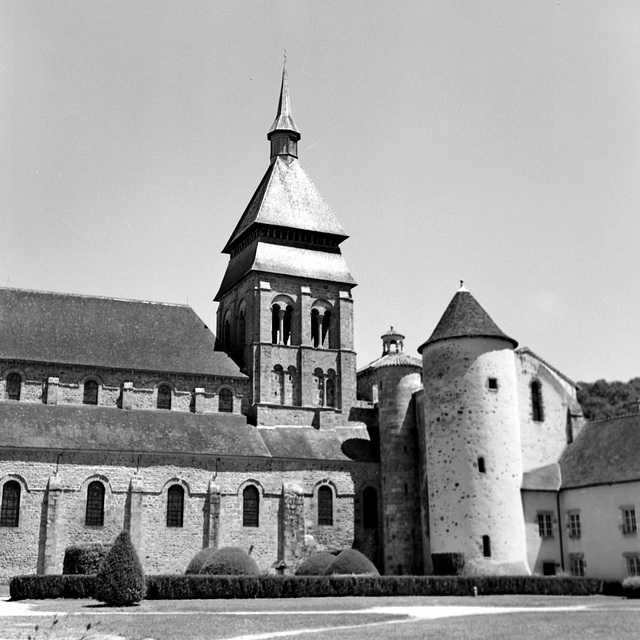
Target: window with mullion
(545, 525)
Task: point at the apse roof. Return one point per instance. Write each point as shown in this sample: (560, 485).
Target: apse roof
(286, 197)
(465, 318)
(41, 326)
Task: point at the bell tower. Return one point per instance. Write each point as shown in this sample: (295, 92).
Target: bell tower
(285, 309)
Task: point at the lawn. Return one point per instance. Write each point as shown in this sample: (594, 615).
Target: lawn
(342, 618)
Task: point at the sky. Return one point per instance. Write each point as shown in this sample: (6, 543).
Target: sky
(496, 143)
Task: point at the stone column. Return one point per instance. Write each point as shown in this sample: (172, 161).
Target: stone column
(53, 529)
(211, 536)
(133, 515)
(291, 527)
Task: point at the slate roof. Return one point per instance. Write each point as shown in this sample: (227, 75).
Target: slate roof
(604, 452)
(39, 326)
(285, 260)
(76, 427)
(286, 197)
(342, 443)
(83, 428)
(546, 478)
(465, 318)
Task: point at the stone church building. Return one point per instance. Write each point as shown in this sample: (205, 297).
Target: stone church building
(130, 414)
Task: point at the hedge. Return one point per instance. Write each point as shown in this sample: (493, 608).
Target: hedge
(182, 587)
(84, 558)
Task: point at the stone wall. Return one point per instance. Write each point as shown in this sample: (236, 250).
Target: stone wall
(64, 384)
(136, 498)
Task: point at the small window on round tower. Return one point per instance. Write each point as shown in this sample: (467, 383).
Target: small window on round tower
(481, 467)
(493, 384)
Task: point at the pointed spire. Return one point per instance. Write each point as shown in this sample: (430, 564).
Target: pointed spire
(284, 134)
(465, 318)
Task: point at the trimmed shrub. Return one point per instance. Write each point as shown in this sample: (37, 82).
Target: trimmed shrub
(631, 587)
(351, 562)
(199, 560)
(57, 586)
(120, 581)
(447, 564)
(230, 561)
(84, 559)
(316, 564)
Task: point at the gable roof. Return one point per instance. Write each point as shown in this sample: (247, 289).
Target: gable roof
(286, 197)
(40, 326)
(603, 453)
(465, 318)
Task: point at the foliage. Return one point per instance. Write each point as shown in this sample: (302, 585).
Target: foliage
(182, 587)
(120, 581)
(316, 564)
(448, 564)
(84, 559)
(351, 562)
(230, 561)
(602, 399)
(57, 586)
(631, 587)
(200, 559)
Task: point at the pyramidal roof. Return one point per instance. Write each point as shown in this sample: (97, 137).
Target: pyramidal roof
(465, 318)
(286, 197)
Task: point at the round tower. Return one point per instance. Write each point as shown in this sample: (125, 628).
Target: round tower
(397, 377)
(473, 463)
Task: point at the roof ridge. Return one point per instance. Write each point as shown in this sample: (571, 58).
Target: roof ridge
(97, 297)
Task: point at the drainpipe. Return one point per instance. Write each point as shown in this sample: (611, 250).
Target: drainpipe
(560, 531)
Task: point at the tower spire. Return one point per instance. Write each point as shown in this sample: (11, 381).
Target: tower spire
(284, 134)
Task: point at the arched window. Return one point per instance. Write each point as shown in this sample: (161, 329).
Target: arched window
(281, 322)
(330, 389)
(14, 385)
(90, 395)
(536, 402)
(225, 401)
(277, 387)
(175, 506)
(325, 506)
(370, 508)
(250, 507)
(318, 383)
(321, 324)
(164, 397)
(10, 509)
(486, 546)
(326, 325)
(94, 516)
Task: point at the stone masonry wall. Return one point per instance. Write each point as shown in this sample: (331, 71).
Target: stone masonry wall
(166, 549)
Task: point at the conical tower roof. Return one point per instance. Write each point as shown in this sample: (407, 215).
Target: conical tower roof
(465, 318)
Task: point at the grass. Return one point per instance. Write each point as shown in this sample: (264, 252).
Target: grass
(341, 618)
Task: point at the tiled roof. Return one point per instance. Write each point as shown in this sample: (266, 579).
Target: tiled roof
(108, 332)
(465, 318)
(292, 261)
(398, 359)
(546, 478)
(603, 453)
(308, 443)
(69, 427)
(286, 197)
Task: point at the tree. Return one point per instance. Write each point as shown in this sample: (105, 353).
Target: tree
(601, 399)
(120, 580)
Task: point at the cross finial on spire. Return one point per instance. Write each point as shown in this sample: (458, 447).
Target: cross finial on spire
(462, 287)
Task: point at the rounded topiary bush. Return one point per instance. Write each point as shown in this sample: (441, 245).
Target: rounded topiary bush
(316, 564)
(120, 580)
(351, 562)
(199, 560)
(230, 561)
(84, 558)
(631, 587)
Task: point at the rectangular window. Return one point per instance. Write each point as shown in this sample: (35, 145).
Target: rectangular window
(633, 565)
(493, 384)
(577, 564)
(629, 526)
(575, 529)
(545, 525)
